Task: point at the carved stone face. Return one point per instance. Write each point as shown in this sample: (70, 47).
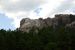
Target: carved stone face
(27, 24)
(25, 20)
(60, 19)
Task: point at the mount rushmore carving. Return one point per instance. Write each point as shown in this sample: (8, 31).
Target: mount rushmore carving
(68, 20)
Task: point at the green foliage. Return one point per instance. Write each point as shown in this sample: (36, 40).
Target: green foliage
(45, 39)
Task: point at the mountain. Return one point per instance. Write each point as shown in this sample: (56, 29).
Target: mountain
(67, 20)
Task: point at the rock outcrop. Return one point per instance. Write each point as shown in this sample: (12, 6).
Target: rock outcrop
(67, 20)
(27, 24)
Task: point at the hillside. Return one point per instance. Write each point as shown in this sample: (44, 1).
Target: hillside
(46, 39)
(66, 20)
(60, 35)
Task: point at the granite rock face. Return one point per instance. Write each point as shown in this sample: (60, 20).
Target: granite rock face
(27, 24)
(71, 25)
(68, 20)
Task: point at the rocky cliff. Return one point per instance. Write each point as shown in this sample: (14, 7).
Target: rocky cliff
(67, 20)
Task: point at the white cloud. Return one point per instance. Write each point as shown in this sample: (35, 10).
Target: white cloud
(20, 5)
(18, 9)
(64, 6)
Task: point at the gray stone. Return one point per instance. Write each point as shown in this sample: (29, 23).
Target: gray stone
(68, 20)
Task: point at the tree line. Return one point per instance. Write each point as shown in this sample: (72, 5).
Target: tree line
(46, 39)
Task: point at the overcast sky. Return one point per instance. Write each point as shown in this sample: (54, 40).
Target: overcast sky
(12, 11)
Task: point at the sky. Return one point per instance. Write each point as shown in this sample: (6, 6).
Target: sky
(13, 11)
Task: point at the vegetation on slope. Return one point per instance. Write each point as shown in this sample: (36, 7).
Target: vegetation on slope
(45, 39)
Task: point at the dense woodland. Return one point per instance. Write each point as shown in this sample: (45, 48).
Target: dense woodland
(45, 39)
